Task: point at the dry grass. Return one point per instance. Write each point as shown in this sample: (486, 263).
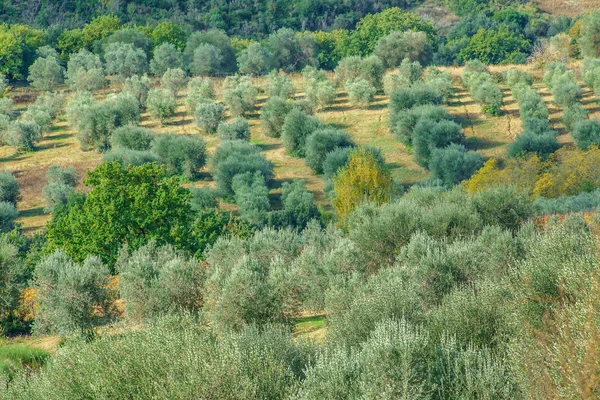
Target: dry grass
(489, 135)
(572, 8)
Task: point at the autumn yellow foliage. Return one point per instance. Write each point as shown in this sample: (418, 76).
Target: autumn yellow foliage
(364, 180)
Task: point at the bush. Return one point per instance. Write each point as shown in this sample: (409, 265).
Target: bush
(565, 90)
(166, 57)
(209, 116)
(3, 84)
(237, 157)
(542, 145)
(489, 95)
(397, 46)
(207, 60)
(6, 106)
(319, 91)
(531, 105)
(65, 176)
(52, 103)
(239, 95)
(572, 115)
(252, 197)
(335, 161)
(360, 92)
(506, 207)
(203, 198)
(403, 122)
(273, 115)
(174, 80)
(454, 164)
(23, 135)
(370, 68)
(158, 280)
(279, 84)
(8, 215)
(515, 76)
(568, 204)
(183, 155)
(299, 206)
(39, 116)
(429, 135)
(255, 60)
(200, 90)
(9, 188)
(138, 87)
(45, 73)
(85, 71)
(55, 195)
(238, 129)
(439, 80)
(132, 137)
(125, 60)
(587, 133)
(161, 104)
(416, 95)
(72, 297)
(321, 142)
(298, 126)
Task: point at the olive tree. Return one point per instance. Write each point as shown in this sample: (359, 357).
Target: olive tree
(397, 46)
(200, 90)
(125, 60)
(273, 115)
(279, 84)
(23, 135)
(139, 87)
(8, 215)
(360, 92)
(182, 154)
(61, 184)
(255, 60)
(85, 71)
(239, 95)
(297, 126)
(207, 60)
(161, 104)
(238, 129)
(166, 56)
(46, 73)
(208, 116)
(9, 188)
(174, 80)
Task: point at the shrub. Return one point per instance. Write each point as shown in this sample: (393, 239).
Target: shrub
(207, 60)
(439, 80)
(252, 197)
(132, 137)
(125, 60)
(531, 105)
(71, 297)
(157, 280)
(454, 164)
(335, 161)
(23, 135)
(397, 46)
(9, 188)
(410, 71)
(506, 207)
(370, 68)
(39, 116)
(515, 76)
(572, 115)
(299, 206)
(565, 90)
(279, 84)
(13, 275)
(138, 87)
(52, 103)
(166, 57)
(239, 95)
(429, 135)
(161, 104)
(403, 122)
(3, 84)
(45, 73)
(273, 115)
(8, 215)
(298, 126)
(416, 95)
(238, 129)
(183, 155)
(365, 179)
(200, 90)
(360, 92)
(237, 157)
(320, 93)
(4, 123)
(85, 71)
(568, 204)
(66, 176)
(55, 195)
(6, 106)
(586, 133)
(208, 116)
(542, 145)
(203, 198)
(321, 142)
(255, 60)
(489, 95)
(174, 80)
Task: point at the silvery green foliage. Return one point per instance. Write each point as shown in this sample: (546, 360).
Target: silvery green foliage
(8, 215)
(85, 71)
(299, 206)
(174, 79)
(207, 60)
(482, 86)
(568, 204)
(321, 142)
(531, 104)
(350, 68)
(182, 154)
(72, 298)
(318, 90)
(573, 114)
(3, 84)
(125, 60)
(209, 116)
(9, 188)
(199, 90)
(590, 71)
(166, 56)
(139, 87)
(279, 84)
(61, 183)
(237, 129)
(399, 46)
(252, 197)
(23, 135)
(158, 280)
(587, 133)
(360, 92)
(52, 102)
(255, 60)
(4, 123)
(273, 115)
(239, 95)
(515, 76)
(203, 198)
(127, 156)
(38, 115)
(132, 137)
(440, 81)
(410, 71)
(161, 104)
(454, 164)
(46, 73)
(6, 107)
(403, 122)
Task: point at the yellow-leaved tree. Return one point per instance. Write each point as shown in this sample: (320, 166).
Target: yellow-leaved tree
(364, 180)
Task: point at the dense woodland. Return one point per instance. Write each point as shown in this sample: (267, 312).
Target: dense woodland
(214, 226)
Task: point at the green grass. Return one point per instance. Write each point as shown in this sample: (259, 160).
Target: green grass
(313, 327)
(16, 356)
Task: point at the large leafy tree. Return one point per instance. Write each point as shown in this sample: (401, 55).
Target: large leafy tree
(127, 205)
(500, 46)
